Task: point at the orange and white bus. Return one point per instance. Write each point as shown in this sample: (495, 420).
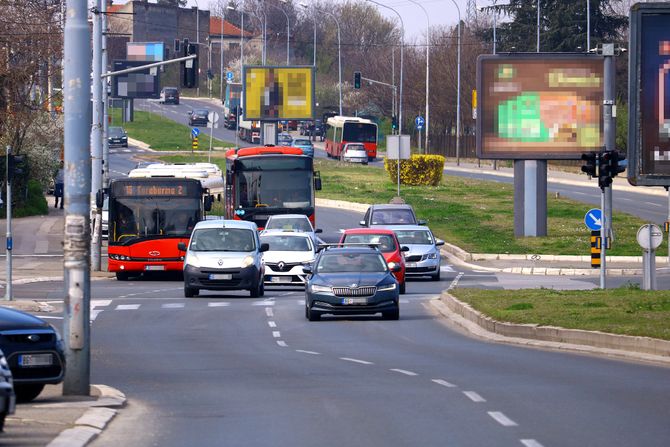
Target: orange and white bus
(341, 130)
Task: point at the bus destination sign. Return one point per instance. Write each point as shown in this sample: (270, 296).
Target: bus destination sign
(153, 189)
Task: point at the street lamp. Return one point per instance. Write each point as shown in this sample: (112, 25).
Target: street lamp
(402, 44)
(288, 29)
(314, 17)
(427, 70)
(458, 92)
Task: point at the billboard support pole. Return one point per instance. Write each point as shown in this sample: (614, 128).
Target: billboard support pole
(530, 198)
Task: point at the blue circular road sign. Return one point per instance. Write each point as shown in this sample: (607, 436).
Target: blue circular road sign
(229, 75)
(594, 219)
(195, 131)
(419, 121)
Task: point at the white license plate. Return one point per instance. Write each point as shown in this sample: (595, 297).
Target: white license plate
(154, 267)
(280, 279)
(354, 301)
(28, 360)
(220, 276)
(411, 264)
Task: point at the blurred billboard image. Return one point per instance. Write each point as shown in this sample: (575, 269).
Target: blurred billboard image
(539, 106)
(649, 95)
(278, 93)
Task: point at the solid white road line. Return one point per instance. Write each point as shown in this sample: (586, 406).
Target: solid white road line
(530, 443)
(128, 307)
(47, 317)
(218, 304)
(272, 324)
(263, 303)
(94, 314)
(307, 352)
(404, 371)
(100, 303)
(454, 283)
(474, 396)
(276, 334)
(172, 305)
(502, 419)
(362, 362)
(444, 383)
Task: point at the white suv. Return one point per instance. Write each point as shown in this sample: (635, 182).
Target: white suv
(288, 253)
(223, 255)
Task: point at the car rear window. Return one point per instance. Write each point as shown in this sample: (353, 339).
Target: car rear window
(287, 243)
(392, 217)
(289, 223)
(351, 262)
(419, 237)
(385, 241)
(303, 142)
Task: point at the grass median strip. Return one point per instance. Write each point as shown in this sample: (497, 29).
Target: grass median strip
(162, 134)
(626, 310)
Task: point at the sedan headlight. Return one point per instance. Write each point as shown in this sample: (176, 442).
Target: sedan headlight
(431, 255)
(247, 261)
(317, 288)
(386, 287)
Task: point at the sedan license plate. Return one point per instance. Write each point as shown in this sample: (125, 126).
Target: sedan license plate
(220, 276)
(411, 264)
(154, 267)
(354, 301)
(31, 360)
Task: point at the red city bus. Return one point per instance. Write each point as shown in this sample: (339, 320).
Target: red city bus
(263, 181)
(341, 130)
(148, 217)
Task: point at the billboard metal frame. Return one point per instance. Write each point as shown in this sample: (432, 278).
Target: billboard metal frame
(635, 134)
(482, 99)
(284, 118)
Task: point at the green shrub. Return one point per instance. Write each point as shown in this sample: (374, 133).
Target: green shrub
(418, 170)
(34, 205)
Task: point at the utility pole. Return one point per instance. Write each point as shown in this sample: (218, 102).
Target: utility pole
(609, 132)
(96, 136)
(105, 100)
(8, 222)
(76, 244)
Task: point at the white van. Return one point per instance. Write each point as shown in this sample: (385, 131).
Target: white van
(224, 255)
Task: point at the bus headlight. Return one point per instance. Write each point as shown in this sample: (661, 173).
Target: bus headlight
(247, 261)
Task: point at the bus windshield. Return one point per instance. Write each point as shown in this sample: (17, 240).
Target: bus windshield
(275, 189)
(141, 217)
(360, 132)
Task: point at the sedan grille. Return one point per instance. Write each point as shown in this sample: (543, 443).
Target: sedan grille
(354, 291)
(413, 258)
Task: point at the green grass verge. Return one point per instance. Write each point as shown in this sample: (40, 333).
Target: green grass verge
(162, 134)
(478, 216)
(626, 310)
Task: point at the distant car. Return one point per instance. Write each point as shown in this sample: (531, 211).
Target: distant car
(117, 137)
(354, 153)
(303, 127)
(288, 252)
(294, 222)
(7, 396)
(390, 214)
(34, 352)
(423, 257)
(292, 125)
(284, 139)
(198, 117)
(169, 95)
(351, 281)
(387, 243)
(304, 144)
(223, 255)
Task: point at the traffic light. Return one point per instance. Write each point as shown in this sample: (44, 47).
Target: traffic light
(357, 79)
(605, 169)
(190, 67)
(394, 122)
(16, 166)
(591, 166)
(618, 163)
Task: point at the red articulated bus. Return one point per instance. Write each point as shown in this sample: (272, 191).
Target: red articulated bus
(263, 181)
(148, 217)
(341, 130)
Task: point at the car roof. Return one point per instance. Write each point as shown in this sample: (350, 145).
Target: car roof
(375, 230)
(290, 233)
(225, 223)
(406, 227)
(349, 249)
(282, 216)
(391, 206)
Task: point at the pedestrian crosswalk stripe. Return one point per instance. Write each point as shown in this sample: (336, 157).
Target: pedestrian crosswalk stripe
(218, 304)
(128, 306)
(172, 305)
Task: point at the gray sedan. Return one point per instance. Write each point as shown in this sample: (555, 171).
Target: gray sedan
(423, 257)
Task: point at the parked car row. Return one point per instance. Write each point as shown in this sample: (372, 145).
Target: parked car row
(363, 273)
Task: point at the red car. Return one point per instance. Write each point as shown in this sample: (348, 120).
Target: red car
(388, 245)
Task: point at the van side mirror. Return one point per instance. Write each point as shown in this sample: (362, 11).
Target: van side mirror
(208, 200)
(99, 198)
(181, 246)
(404, 248)
(264, 247)
(318, 230)
(218, 197)
(421, 222)
(307, 269)
(362, 223)
(439, 242)
(317, 181)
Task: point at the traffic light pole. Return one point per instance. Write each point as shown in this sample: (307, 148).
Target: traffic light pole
(8, 252)
(96, 138)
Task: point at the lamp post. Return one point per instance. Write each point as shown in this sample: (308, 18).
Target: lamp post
(538, 26)
(314, 17)
(588, 25)
(458, 88)
(427, 71)
(402, 44)
(288, 30)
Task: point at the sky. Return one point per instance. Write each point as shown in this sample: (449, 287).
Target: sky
(441, 12)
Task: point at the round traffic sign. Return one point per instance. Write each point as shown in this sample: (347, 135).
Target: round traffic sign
(649, 236)
(229, 75)
(195, 131)
(419, 121)
(593, 219)
(213, 117)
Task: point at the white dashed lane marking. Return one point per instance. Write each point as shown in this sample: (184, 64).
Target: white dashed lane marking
(272, 324)
(218, 304)
(473, 396)
(276, 334)
(307, 352)
(362, 362)
(444, 383)
(503, 420)
(403, 371)
(530, 443)
(282, 343)
(172, 306)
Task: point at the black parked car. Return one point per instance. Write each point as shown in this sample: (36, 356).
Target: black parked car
(198, 117)
(117, 137)
(34, 352)
(7, 397)
(351, 281)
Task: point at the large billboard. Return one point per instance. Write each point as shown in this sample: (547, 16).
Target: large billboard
(138, 84)
(539, 106)
(145, 51)
(278, 93)
(649, 95)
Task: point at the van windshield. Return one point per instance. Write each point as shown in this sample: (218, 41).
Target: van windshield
(223, 239)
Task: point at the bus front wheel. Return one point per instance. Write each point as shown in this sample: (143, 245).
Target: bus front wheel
(122, 276)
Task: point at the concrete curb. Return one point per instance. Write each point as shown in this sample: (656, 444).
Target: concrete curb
(94, 421)
(592, 342)
(341, 204)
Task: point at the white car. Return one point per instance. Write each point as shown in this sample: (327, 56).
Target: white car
(295, 222)
(288, 253)
(354, 153)
(423, 257)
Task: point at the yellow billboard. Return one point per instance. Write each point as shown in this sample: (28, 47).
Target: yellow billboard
(278, 93)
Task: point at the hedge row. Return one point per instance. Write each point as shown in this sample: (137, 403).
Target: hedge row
(418, 170)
